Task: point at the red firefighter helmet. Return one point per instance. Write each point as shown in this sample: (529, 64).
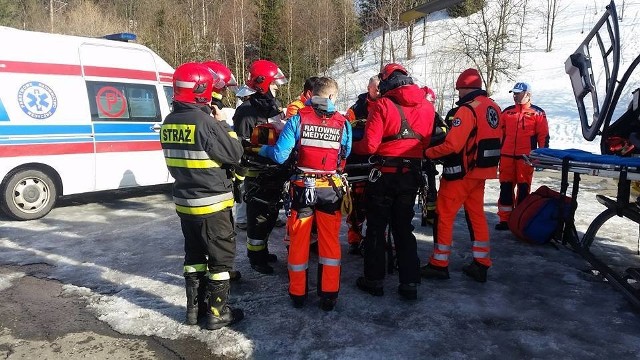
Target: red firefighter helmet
(225, 77)
(262, 73)
(389, 69)
(192, 83)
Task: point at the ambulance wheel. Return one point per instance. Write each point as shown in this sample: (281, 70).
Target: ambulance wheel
(28, 194)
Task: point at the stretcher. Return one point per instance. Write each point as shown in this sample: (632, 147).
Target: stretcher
(625, 170)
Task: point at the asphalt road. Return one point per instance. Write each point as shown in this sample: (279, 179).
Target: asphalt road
(38, 320)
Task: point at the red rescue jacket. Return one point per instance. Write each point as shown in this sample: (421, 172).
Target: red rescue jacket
(384, 122)
(525, 129)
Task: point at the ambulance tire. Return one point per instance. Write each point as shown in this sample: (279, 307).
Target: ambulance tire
(28, 194)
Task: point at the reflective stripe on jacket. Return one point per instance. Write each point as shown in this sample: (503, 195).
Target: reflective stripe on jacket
(199, 152)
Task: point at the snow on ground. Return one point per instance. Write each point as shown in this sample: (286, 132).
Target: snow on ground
(124, 255)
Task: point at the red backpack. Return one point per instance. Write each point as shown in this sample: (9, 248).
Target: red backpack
(536, 218)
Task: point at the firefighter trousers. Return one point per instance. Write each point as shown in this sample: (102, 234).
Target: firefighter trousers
(262, 198)
(209, 243)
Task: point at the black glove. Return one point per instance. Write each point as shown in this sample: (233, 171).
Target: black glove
(238, 190)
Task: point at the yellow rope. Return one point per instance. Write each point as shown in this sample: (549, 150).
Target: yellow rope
(347, 203)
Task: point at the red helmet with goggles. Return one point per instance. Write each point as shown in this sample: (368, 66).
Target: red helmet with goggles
(262, 73)
(224, 76)
(192, 83)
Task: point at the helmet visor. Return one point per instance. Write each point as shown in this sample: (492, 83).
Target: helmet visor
(280, 79)
(232, 84)
(244, 90)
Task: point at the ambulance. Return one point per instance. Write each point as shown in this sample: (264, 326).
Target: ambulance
(77, 115)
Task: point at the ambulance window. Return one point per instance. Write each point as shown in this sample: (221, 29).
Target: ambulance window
(168, 93)
(111, 101)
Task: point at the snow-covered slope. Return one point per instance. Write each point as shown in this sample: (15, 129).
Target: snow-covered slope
(543, 70)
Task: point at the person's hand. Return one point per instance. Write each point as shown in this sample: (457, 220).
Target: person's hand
(252, 149)
(217, 113)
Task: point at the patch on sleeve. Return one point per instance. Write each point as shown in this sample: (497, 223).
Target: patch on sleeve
(456, 122)
(492, 117)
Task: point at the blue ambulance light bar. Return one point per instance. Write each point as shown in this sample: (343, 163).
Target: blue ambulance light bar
(126, 37)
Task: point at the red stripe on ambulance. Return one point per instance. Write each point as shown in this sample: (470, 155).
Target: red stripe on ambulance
(75, 70)
(77, 148)
(120, 73)
(124, 146)
(39, 68)
(46, 149)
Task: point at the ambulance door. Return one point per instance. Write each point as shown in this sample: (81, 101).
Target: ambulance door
(126, 116)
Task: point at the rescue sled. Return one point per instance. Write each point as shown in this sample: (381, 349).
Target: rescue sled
(599, 101)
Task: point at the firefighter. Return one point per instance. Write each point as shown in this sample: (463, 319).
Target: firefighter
(305, 96)
(470, 154)
(321, 137)
(357, 115)
(199, 152)
(525, 129)
(398, 127)
(263, 185)
(226, 81)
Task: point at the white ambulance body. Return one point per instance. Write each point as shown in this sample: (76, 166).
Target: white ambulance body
(77, 115)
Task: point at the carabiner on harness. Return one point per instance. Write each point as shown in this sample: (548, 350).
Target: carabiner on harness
(374, 174)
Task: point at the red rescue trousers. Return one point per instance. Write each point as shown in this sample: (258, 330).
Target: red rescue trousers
(515, 173)
(324, 208)
(451, 196)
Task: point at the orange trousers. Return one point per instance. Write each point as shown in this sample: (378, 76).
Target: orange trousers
(452, 195)
(324, 209)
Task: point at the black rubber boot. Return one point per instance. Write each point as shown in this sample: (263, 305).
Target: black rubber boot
(298, 300)
(502, 226)
(327, 303)
(196, 286)
(408, 291)
(476, 271)
(434, 272)
(235, 275)
(259, 261)
(371, 286)
(220, 314)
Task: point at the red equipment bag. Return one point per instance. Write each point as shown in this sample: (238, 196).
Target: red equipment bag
(536, 219)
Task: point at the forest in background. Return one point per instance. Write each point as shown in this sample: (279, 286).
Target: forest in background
(304, 37)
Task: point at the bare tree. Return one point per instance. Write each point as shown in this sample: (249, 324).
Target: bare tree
(554, 7)
(520, 38)
(486, 41)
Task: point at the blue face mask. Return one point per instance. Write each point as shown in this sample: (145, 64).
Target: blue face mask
(323, 103)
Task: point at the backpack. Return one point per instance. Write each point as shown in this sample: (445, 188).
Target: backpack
(536, 219)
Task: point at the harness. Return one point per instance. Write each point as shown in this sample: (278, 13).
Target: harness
(405, 132)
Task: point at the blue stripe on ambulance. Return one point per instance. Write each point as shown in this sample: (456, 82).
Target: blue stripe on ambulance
(3, 112)
(45, 130)
(42, 134)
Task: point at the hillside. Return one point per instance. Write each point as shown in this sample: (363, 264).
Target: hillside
(544, 71)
